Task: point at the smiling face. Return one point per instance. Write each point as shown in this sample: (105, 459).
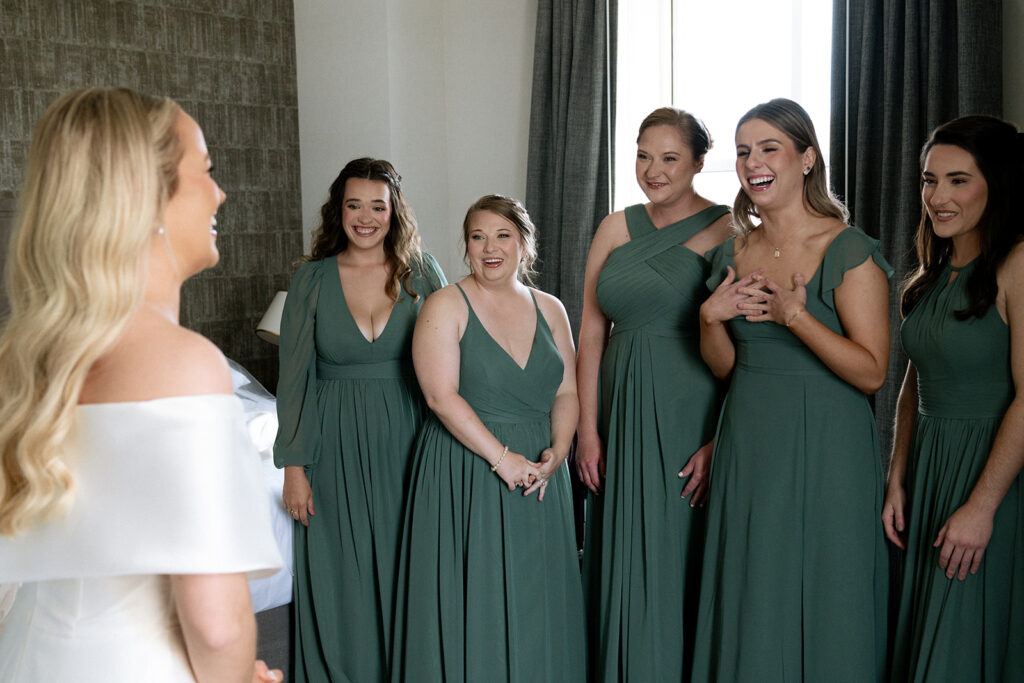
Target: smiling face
(493, 246)
(770, 169)
(954, 191)
(366, 213)
(665, 165)
(190, 216)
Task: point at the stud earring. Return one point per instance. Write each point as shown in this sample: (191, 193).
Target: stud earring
(160, 230)
(807, 170)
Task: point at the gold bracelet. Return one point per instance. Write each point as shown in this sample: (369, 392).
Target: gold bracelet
(503, 454)
(795, 316)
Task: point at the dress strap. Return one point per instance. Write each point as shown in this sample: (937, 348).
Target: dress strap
(472, 313)
(638, 223)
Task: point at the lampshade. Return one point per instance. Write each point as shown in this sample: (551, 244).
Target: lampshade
(269, 328)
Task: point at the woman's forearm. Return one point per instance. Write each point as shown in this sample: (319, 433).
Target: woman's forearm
(906, 419)
(716, 348)
(588, 366)
(564, 416)
(850, 361)
(1004, 461)
(218, 625)
(459, 418)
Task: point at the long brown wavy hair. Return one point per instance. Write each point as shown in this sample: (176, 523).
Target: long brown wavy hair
(996, 147)
(401, 244)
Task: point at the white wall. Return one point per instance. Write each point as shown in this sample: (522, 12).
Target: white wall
(441, 88)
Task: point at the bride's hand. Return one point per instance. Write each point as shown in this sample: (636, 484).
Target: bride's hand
(261, 674)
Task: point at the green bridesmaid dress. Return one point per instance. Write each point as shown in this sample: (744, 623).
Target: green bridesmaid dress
(658, 405)
(489, 583)
(952, 630)
(349, 410)
(795, 575)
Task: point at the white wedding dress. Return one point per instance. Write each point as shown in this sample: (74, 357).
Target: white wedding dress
(162, 487)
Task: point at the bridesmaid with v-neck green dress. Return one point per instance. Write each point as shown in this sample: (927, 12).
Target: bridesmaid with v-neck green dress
(648, 406)
(489, 584)
(349, 410)
(955, 500)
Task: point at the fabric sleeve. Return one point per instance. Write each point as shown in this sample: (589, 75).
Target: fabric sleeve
(718, 259)
(849, 249)
(433, 276)
(298, 433)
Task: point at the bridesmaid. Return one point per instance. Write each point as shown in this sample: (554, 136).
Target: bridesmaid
(349, 410)
(636, 430)
(955, 502)
(489, 580)
(795, 565)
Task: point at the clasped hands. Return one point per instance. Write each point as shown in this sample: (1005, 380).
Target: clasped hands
(757, 298)
(515, 470)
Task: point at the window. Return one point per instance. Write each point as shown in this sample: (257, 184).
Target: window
(716, 61)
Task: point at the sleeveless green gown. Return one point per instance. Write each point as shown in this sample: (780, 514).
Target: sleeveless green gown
(349, 411)
(489, 583)
(658, 405)
(795, 574)
(952, 630)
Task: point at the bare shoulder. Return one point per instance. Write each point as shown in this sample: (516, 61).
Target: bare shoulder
(1010, 280)
(552, 309)
(445, 301)
(611, 233)
(549, 304)
(1013, 266)
(711, 236)
(830, 229)
(443, 311)
(157, 359)
(722, 229)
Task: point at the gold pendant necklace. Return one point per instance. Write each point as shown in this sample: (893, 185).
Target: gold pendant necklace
(776, 252)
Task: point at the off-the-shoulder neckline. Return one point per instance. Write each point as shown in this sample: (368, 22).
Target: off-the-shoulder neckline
(157, 400)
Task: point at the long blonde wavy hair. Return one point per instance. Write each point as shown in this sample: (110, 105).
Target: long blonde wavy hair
(102, 165)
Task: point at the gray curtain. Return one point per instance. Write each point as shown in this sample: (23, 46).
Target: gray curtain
(899, 69)
(568, 182)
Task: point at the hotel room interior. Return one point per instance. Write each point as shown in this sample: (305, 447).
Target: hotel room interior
(465, 98)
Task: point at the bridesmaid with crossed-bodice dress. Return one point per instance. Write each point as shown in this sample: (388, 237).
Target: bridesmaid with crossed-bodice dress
(489, 586)
(647, 404)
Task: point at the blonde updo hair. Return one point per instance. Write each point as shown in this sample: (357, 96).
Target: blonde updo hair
(515, 213)
(102, 164)
(794, 121)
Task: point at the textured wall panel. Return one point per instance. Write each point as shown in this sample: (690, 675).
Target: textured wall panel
(231, 65)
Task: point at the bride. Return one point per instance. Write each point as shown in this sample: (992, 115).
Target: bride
(131, 503)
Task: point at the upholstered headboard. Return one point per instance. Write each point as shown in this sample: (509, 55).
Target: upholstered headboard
(6, 224)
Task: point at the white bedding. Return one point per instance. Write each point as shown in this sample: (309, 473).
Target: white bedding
(261, 418)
